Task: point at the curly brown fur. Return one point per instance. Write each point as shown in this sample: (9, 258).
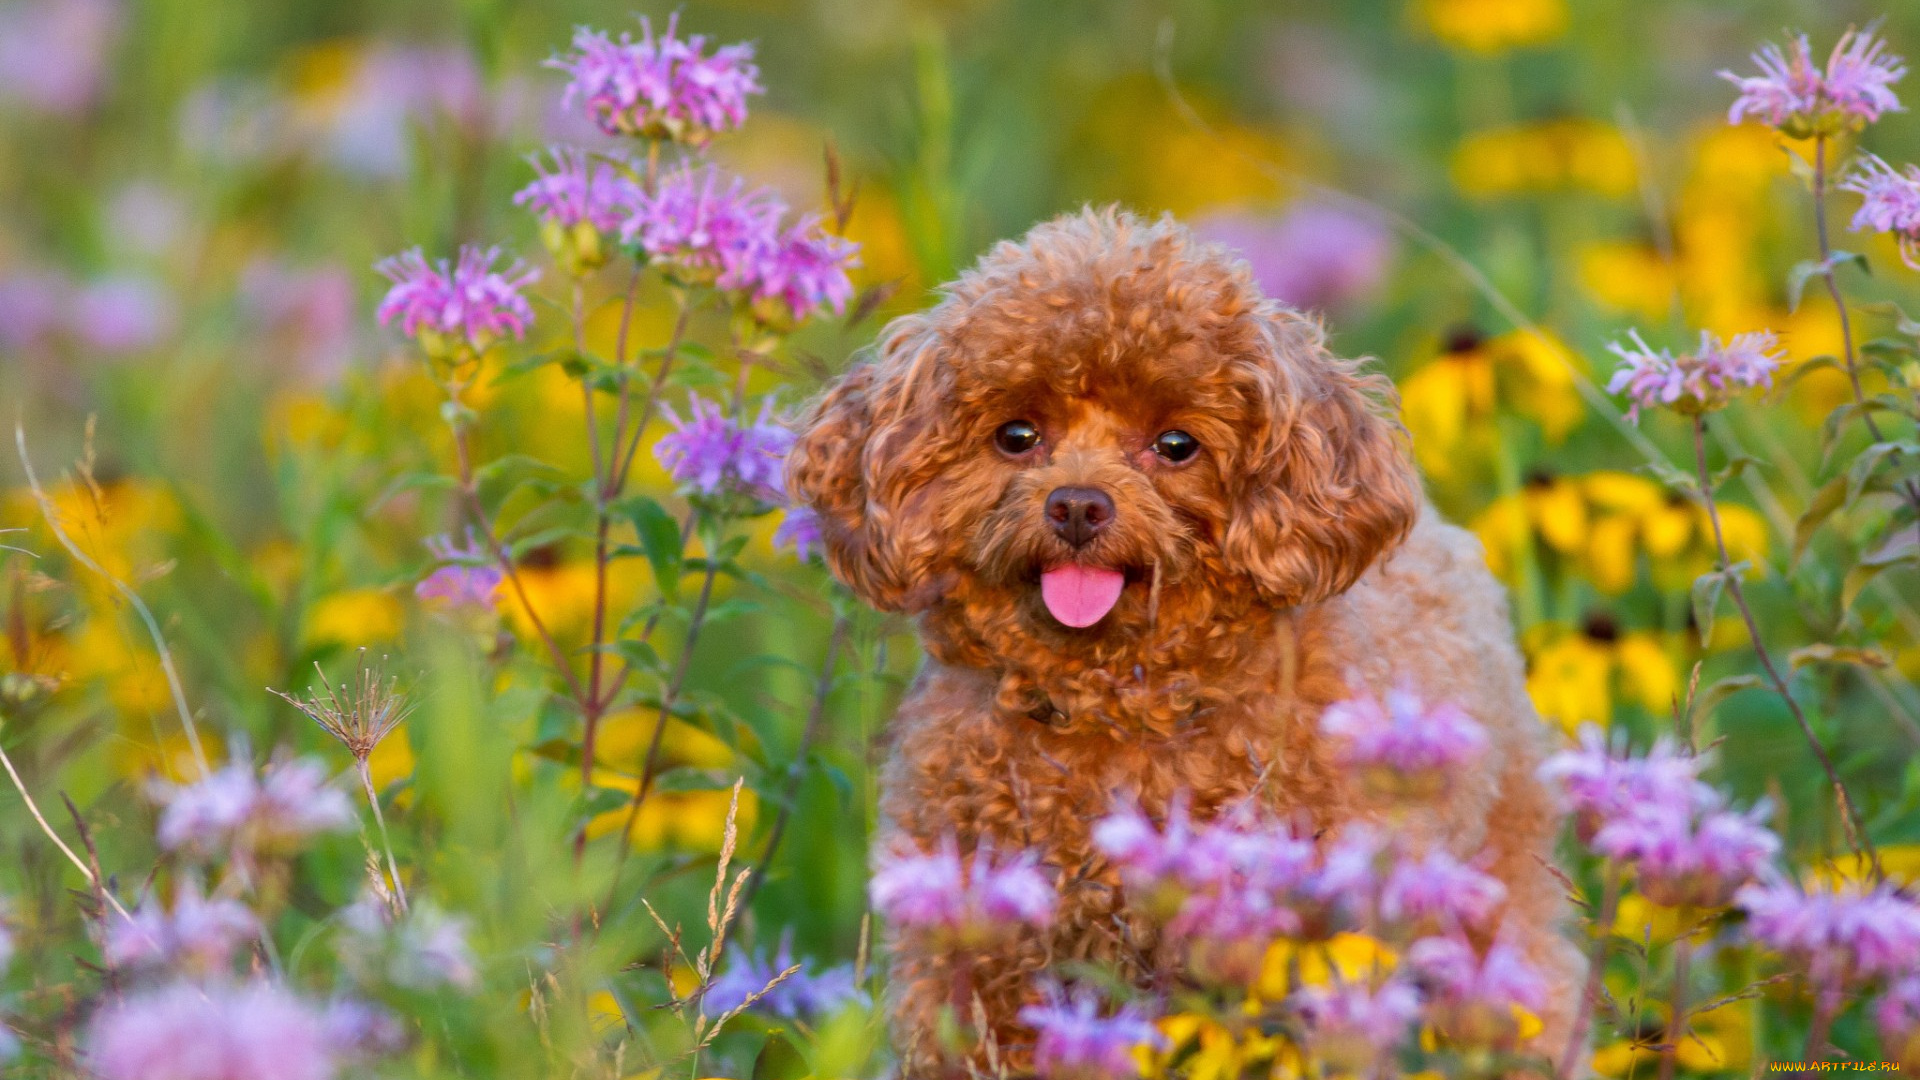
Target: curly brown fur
(1259, 585)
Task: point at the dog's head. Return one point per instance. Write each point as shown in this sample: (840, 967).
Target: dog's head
(1101, 415)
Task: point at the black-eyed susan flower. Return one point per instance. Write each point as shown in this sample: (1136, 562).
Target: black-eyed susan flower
(1575, 675)
(1450, 403)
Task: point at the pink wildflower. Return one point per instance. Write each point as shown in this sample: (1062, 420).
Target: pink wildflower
(975, 903)
(456, 311)
(191, 1032)
(197, 937)
(1890, 204)
(1402, 746)
(1074, 1042)
(660, 87)
(1839, 938)
(1697, 382)
(1793, 94)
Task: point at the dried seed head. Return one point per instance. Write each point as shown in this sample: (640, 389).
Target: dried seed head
(360, 712)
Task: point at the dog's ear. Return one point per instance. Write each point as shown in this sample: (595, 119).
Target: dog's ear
(856, 463)
(1323, 486)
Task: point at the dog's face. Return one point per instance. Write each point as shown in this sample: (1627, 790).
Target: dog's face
(1094, 427)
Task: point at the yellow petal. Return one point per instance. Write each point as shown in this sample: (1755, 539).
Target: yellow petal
(1560, 514)
(1647, 672)
(1611, 561)
(1667, 529)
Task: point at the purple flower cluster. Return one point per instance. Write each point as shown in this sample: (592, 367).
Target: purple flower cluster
(1402, 747)
(1890, 203)
(1436, 893)
(1898, 1017)
(1473, 998)
(186, 1031)
(456, 311)
(574, 188)
(973, 901)
(1073, 1041)
(1697, 382)
(197, 937)
(660, 87)
(578, 199)
(1654, 814)
(245, 815)
(713, 454)
(424, 950)
(1793, 94)
(800, 530)
(116, 314)
(1841, 938)
(709, 228)
(1690, 859)
(1352, 1027)
(803, 995)
(1601, 785)
(1312, 257)
(467, 580)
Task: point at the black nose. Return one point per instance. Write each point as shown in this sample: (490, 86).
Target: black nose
(1078, 514)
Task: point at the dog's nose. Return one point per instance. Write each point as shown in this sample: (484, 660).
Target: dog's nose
(1078, 514)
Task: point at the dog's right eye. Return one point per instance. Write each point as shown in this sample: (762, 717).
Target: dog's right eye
(1016, 437)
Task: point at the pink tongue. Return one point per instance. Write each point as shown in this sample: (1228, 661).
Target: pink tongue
(1081, 595)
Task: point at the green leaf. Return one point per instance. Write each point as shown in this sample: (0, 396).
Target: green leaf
(1682, 482)
(542, 538)
(1737, 464)
(1837, 420)
(1797, 279)
(1831, 496)
(1706, 701)
(1871, 459)
(1869, 656)
(778, 1060)
(1706, 596)
(1804, 369)
(640, 654)
(660, 537)
(498, 479)
(1871, 567)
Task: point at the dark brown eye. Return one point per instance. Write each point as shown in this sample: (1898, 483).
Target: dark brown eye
(1176, 446)
(1016, 437)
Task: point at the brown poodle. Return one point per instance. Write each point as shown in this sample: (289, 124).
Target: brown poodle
(1151, 528)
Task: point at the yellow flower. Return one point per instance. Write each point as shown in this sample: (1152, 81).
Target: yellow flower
(1206, 1049)
(354, 618)
(1630, 278)
(1355, 957)
(1549, 156)
(1450, 403)
(1574, 677)
(562, 592)
(673, 820)
(1489, 26)
(1718, 1040)
(1900, 861)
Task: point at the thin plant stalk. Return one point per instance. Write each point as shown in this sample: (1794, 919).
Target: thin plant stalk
(34, 809)
(1850, 815)
(667, 701)
(380, 819)
(1596, 968)
(470, 490)
(1826, 1004)
(1910, 487)
(1677, 1009)
(797, 771)
(126, 591)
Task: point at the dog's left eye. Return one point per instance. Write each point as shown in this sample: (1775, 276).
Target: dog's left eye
(1176, 446)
